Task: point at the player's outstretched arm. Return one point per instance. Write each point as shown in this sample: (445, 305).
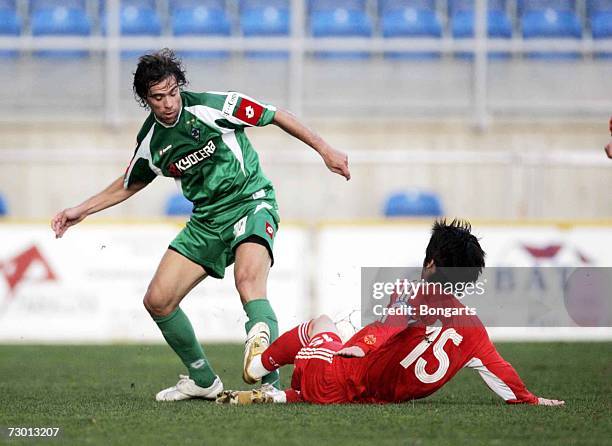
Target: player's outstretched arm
(112, 195)
(335, 160)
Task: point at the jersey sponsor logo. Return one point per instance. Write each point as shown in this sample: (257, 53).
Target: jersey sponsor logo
(269, 230)
(249, 111)
(177, 168)
(230, 104)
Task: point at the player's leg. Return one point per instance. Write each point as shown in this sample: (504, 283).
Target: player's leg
(176, 275)
(251, 270)
(283, 351)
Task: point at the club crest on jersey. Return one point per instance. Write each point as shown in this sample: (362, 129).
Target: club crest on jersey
(369, 339)
(177, 168)
(195, 133)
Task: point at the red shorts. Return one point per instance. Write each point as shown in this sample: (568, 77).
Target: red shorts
(316, 370)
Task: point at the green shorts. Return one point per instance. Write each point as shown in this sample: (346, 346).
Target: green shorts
(212, 243)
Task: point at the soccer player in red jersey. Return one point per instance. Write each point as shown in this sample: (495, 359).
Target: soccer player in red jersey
(402, 357)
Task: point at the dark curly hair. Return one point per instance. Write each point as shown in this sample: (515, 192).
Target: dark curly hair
(455, 251)
(154, 68)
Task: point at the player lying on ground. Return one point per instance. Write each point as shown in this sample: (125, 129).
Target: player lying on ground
(397, 359)
(199, 140)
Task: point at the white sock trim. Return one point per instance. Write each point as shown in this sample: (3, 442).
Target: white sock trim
(256, 368)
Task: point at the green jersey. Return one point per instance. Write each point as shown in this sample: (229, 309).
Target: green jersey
(206, 151)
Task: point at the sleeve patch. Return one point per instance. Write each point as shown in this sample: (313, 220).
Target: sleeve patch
(230, 104)
(249, 111)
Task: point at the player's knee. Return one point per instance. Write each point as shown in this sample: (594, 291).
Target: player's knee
(157, 303)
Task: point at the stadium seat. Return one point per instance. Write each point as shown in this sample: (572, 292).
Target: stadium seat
(10, 25)
(600, 14)
(498, 27)
(60, 21)
(201, 21)
(136, 18)
(331, 5)
(51, 4)
(413, 203)
(175, 5)
(177, 204)
(3, 206)
(410, 22)
(395, 5)
(551, 23)
(524, 6)
(340, 22)
(265, 21)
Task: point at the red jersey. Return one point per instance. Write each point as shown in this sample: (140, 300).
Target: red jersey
(409, 363)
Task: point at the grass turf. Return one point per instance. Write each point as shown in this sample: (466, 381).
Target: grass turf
(105, 395)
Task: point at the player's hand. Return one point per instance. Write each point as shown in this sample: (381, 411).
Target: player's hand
(337, 162)
(351, 352)
(547, 402)
(66, 218)
(608, 150)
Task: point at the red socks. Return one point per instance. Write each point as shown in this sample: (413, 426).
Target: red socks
(282, 351)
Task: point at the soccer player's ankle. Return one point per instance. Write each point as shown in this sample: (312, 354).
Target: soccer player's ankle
(257, 369)
(203, 378)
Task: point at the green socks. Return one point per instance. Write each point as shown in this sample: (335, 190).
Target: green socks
(178, 333)
(259, 310)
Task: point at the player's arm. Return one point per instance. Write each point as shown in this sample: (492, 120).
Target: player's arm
(502, 379)
(115, 193)
(335, 160)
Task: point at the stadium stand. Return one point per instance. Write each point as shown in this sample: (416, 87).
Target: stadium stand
(410, 18)
(413, 203)
(203, 18)
(177, 205)
(549, 18)
(259, 18)
(599, 13)
(10, 25)
(344, 19)
(58, 18)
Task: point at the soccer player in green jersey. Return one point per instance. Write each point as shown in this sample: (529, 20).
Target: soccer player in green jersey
(199, 140)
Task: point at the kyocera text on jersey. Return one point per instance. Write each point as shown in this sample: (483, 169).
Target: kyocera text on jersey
(196, 157)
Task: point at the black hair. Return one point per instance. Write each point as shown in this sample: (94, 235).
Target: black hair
(455, 251)
(154, 68)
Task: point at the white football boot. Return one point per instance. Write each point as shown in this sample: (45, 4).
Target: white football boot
(187, 389)
(258, 339)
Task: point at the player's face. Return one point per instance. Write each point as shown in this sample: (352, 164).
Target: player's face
(165, 100)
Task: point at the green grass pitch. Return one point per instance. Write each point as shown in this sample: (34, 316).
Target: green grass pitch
(105, 395)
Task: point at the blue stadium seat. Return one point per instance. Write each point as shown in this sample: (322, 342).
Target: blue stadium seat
(201, 21)
(341, 22)
(455, 6)
(498, 27)
(243, 5)
(601, 27)
(524, 6)
(394, 5)
(177, 205)
(10, 25)
(331, 5)
(414, 204)
(595, 6)
(193, 4)
(265, 21)
(52, 4)
(60, 21)
(136, 18)
(3, 206)
(410, 22)
(551, 23)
